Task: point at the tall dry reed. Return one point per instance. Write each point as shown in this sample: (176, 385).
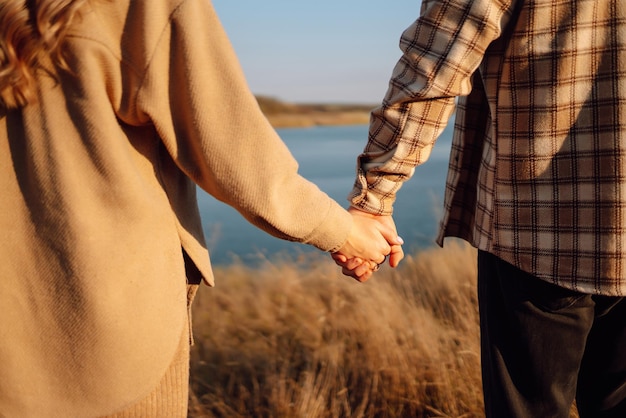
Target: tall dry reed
(295, 338)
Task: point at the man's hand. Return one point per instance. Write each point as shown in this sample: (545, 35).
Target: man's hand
(373, 237)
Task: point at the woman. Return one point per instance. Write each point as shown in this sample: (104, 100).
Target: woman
(111, 112)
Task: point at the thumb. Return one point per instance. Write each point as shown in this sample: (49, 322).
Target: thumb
(396, 255)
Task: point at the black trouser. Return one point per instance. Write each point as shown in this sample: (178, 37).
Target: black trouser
(544, 346)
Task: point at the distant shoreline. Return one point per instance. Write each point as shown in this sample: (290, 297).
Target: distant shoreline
(290, 115)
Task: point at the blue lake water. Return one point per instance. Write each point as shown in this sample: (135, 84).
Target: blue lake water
(327, 157)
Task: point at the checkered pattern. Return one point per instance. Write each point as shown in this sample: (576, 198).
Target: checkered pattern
(538, 163)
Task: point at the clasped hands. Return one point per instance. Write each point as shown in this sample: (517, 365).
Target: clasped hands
(372, 239)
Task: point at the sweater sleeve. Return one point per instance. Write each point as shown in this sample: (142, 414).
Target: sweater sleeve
(197, 97)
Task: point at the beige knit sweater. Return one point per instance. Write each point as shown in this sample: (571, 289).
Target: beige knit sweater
(98, 197)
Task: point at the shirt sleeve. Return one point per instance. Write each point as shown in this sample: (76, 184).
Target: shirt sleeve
(210, 123)
(441, 51)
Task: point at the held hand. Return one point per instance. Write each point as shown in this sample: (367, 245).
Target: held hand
(387, 227)
(373, 238)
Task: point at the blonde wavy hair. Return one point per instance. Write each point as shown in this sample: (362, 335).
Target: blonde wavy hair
(29, 30)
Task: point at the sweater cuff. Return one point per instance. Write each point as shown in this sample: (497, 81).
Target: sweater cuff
(332, 233)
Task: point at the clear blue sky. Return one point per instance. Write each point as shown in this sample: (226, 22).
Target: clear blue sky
(340, 51)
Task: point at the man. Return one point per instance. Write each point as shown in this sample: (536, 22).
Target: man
(537, 182)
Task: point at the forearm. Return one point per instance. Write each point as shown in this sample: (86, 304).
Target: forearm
(441, 52)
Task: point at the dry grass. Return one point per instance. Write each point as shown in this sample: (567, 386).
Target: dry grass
(319, 118)
(297, 339)
(290, 115)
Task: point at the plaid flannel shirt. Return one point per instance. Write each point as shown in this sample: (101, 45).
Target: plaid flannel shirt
(538, 163)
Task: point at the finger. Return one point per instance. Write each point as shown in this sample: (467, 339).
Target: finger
(339, 258)
(396, 255)
(353, 263)
(363, 269)
(349, 273)
(363, 273)
(366, 276)
(360, 273)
